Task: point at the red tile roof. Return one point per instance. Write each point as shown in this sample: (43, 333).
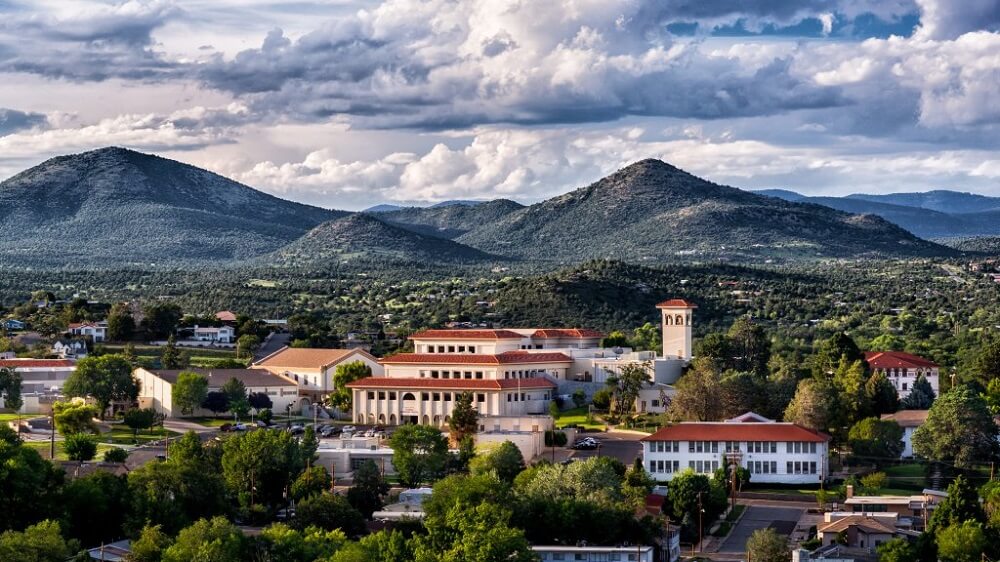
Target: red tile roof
(76, 325)
(567, 333)
(35, 363)
(897, 360)
(506, 358)
(460, 384)
(723, 431)
(467, 334)
(676, 303)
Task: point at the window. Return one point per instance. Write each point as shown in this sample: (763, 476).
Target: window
(812, 448)
(479, 374)
(447, 397)
(788, 469)
(812, 467)
(381, 395)
(451, 349)
(437, 396)
(425, 396)
(659, 466)
(480, 397)
(392, 395)
(461, 349)
(655, 403)
(652, 466)
(371, 395)
(472, 349)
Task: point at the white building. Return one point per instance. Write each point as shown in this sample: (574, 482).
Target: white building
(909, 420)
(903, 369)
(312, 369)
(156, 387)
(96, 331)
(39, 377)
(70, 349)
(773, 452)
(527, 433)
(211, 334)
(554, 553)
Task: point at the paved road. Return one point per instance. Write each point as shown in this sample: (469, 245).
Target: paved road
(781, 519)
(273, 342)
(622, 446)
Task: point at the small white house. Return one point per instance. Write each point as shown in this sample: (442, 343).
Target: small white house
(211, 334)
(70, 349)
(773, 452)
(96, 331)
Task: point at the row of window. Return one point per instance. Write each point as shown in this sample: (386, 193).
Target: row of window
(451, 374)
(704, 466)
(762, 467)
(425, 396)
(755, 467)
(589, 557)
(520, 397)
(798, 447)
(665, 466)
(451, 349)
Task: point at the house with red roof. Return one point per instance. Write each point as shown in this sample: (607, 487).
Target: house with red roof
(773, 452)
(96, 331)
(903, 369)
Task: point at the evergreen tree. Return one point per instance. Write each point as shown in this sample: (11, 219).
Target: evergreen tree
(881, 394)
(171, 357)
(921, 396)
(368, 489)
(464, 418)
(959, 429)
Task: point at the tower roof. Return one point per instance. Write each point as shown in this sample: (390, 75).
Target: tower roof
(676, 303)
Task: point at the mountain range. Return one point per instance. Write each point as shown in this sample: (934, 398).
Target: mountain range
(932, 214)
(114, 207)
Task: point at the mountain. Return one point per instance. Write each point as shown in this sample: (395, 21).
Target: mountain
(462, 202)
(361, 236)
(943, 201)
(924, 222)
(383, 208)
(113, 206)
(451, 221)
(651, 210)
(982, 244)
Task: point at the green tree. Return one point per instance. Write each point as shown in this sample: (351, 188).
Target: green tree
(31, 485)
(106, 379)
(247, 345)
(308, 446)
(161, 320)
(741, 393)
(345, 374)
(647, 338)
(831, 352)
(875, 439)
(150, 545)
(852, 402)
(121, 324)
(505, 460)
(475, 534)
(602, 399)
(214, 540)
(698, 393)
(279, 542)
(329, 511)
(637, 484)
(715, 347)
(234, 389)
(987, 364)
(689, 491)
(896, 550)
(881, 394)
(962, 504)
(464, 418)
(94, 507)
(116, 454)
(874, 482)
(579, 398)
(171, 357)
(189, 392)
(959, 429)
(368, 489)
(10, 389)
(420, 453)
(216, 402)
(962, 542)
(312, 481)
(630, 379)
(259, 401)
(41, 542)
(749, 346)
(615, 339)
(74, 416)
(921, 396)
(138, 419)
(766, 545)
(260, 465)
(811, 405)
(80, 447)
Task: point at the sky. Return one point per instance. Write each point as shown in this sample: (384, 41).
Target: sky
(349, 103)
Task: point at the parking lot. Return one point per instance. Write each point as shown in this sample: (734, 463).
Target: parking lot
(622, 446)
(781, 519)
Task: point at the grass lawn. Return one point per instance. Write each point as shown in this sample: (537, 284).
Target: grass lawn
(122, 435)
(13, 417)
(199, 356)
(43, 448)
(578, 417)
(909, 477)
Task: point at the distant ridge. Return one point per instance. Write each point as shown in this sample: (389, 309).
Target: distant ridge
(113, 206)
(451, 221)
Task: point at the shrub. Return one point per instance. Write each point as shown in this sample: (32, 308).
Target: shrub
(559, 437)
(115, 455)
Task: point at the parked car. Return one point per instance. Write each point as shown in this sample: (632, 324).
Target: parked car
(226, 427)
(350, 428)
(297, 429)
(587, 443)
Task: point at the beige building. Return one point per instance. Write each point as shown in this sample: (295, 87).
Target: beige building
(312, 369)
(156, 390)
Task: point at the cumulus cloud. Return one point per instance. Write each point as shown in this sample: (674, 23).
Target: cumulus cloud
(13, 120)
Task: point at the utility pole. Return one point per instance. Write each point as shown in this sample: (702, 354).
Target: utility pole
(700, 513)
(52, 437)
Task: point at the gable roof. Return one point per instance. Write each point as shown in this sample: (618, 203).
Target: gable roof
(467, 334)
(307, 358)
(218, 377)
(506, 358)
(897, 360)
(458, 384)
(862, 522)
(226, 316)
(676, 303)
(727, 431)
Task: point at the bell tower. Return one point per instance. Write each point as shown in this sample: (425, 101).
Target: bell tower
(676, 325)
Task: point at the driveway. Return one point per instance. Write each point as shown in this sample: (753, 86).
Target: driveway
(620, 445)
(781, 519)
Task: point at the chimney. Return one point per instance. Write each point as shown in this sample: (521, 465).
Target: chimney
(850, 491)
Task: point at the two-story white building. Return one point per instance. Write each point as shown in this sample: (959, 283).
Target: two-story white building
(909, 420)
(156, 387)
(773, 452)
(903, 369)
(96, 331)
(212, 334)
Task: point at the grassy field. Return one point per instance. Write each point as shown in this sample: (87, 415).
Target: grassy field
(908, 477)
(122, 435)
(578, 417)
(199, 356)
(4, 418)
(43, 448)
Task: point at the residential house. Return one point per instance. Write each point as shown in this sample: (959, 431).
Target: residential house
(912, 512)
(226, 317)
(312, 369)
(67, 348)
(858, 531)
(773, 452)
(903, 369)
(156, 387)
(909, 420)
(97, 332)
(213, 334)
(14, 325)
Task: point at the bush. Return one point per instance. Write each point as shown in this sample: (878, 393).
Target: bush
(115, 455)
(602, 399)
(560, 438)
(80, 447)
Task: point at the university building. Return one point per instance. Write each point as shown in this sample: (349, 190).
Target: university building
(903, 369)
(773, 452)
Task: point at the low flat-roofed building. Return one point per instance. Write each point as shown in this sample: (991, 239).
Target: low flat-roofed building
(559, 553)
(156, 387)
